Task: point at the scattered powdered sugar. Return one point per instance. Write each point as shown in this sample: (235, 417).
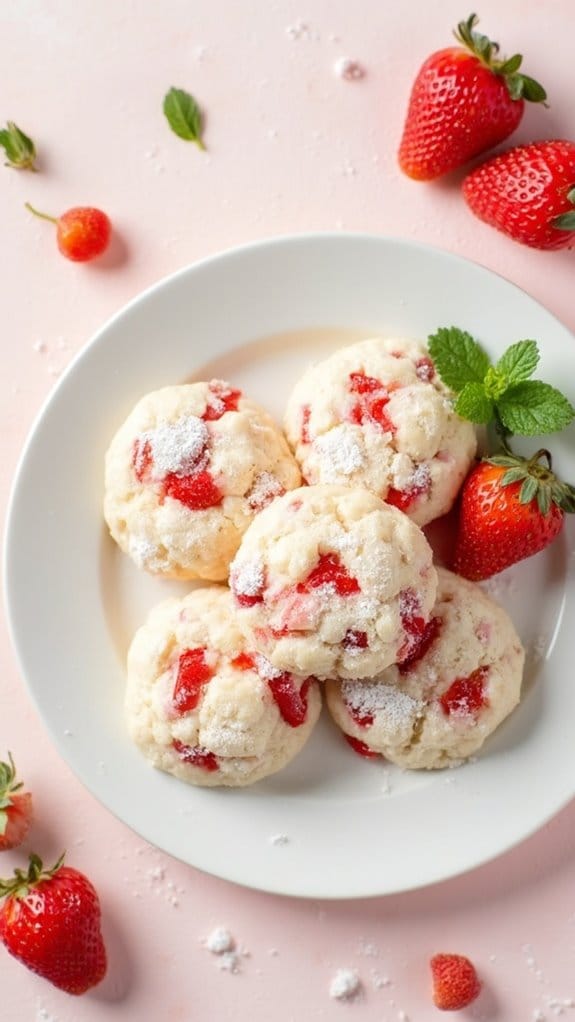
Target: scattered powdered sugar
(350, 70)
(177, 446)
(43, 1015)
(221, 943)
(420, 479)
(141, 550)
(345, 985)
(220, 940)
(266, 486)
(248, 578)
(368, 698)
(278, 839)
(340, 452)
(266, 671)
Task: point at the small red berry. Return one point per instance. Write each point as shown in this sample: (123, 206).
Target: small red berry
(455, 982)
(83, 232)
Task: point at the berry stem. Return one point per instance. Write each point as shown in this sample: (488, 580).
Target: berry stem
(43, 216)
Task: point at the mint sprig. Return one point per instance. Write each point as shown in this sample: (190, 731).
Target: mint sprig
(504, 392)
(184, 116)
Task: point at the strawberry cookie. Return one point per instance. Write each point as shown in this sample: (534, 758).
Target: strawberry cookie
(437, 707)
(331, 581)
(187, 472)
(206, 707)
(376, 414)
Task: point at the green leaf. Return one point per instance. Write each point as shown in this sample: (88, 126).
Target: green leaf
(518, 362)
(514, 85)
(508, 67)
(564, 222)
(20, 150)
(473, 404)
(532, 90)
(458, 357)
(3, 822)
(184, 116)
(571, 195)
(531, 408)
(528, 490)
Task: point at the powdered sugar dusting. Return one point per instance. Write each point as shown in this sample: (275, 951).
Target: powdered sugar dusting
(266, 671)
(266, 486)
(177, 446)
(366, 699)
(340, 452)
(248, 578)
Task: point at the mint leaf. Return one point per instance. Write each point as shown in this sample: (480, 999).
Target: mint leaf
(184, 116)
(20, 150)
(518, 362)
(473, 404)
(458, 358)
(531, 408)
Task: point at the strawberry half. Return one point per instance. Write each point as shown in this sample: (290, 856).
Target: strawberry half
(15, 807)
(455, 982)
(528, 193)
(50, 921)
(510, 508)
(464, 101)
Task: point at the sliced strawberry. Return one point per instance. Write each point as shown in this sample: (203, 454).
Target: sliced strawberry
(244, 662)
(422, 645)
(412, 621)
(142, 459)
(291, 701)
(466, 696)
(196, 492)
(223, 398)
(354, 640)
(193, 674)
(329, 571)
(360, 747)
(419, 484)
(195, 755)
(425, 369)
(373, 398)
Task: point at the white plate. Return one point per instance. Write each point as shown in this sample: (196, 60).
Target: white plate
(353, 827)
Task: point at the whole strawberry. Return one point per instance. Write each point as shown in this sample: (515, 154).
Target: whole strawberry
(50, 922)
(528, 193)
(15, 807)
(455, 982)
(510, 508)
(463, 101)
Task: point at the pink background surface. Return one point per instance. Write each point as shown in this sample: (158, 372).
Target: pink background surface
(291, 148)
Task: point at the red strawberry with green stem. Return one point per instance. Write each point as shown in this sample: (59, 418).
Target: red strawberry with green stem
(455, 982)
(464, 101)
(50, 921)
(15, 807)
(510, 508)
(528, 193)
